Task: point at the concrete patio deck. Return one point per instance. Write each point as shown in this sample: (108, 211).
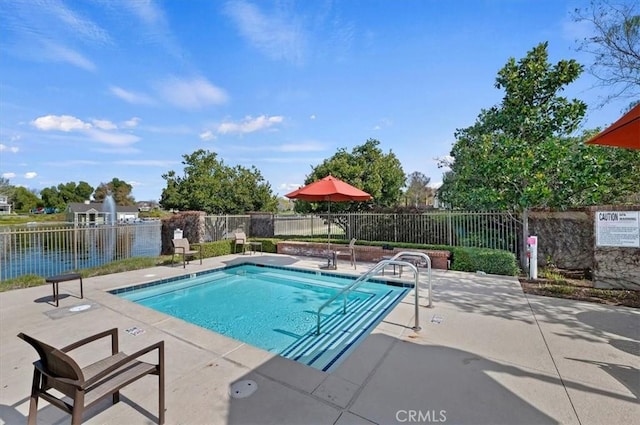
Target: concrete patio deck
(487, 354)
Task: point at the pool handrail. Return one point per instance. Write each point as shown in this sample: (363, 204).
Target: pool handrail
(427, 260)
(378, 267)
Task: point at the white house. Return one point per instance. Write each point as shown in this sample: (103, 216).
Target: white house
(5, 206)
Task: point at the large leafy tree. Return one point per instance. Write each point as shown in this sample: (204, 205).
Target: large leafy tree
(24, 200)
(5, 185)
(59, 196)
(519, 154)
(209, 185)
(119, 189)
(365, 167)
(418, 191)
(614, 43)
(495, 161)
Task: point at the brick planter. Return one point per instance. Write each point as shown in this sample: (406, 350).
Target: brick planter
(373, 254)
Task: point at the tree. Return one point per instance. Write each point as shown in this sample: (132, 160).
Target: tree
(51, 198)
(501, 161)
(5, 186)
(58, 197)
(119, 189)
(615, 46)
(519, 154)
(366, 168)
(418, 191)
(207, 184)
(24, 200)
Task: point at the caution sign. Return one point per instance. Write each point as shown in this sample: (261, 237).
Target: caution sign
(618, 228)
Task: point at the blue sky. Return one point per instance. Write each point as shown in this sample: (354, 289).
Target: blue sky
(92, 90)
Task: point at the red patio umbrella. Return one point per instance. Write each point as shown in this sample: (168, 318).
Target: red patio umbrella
(329, 189)
(624, 133)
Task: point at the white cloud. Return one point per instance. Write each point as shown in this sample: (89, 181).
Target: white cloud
(300, 147)
(250, 124)
(207, 135)
(104, 124)
(60, 122)
(278, 36)
(191, 94)
(97, 132)
(148, 162)
(312, 117)
(133, 122)
(71, 163)
(76, 24)
(155, 27)
(114, 139)
(8, 175)
(289, 187)
(384, 122)
(30, 175)
(60, 53)
(119, 150)
(12, 149)
(131, 97)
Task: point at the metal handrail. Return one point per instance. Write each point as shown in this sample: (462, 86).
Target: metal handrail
(378, 267)
(427, 260)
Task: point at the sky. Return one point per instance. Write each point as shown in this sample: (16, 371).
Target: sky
(92, 90)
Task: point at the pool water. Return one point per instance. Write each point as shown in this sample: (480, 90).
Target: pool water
(275, 309)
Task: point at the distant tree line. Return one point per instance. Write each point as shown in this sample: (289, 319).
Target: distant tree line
(58, 197)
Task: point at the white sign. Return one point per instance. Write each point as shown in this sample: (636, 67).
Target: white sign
(618, 228)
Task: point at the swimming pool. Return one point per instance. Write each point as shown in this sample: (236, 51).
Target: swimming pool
(274, 308)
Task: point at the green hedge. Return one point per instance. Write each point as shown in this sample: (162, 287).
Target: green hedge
(491, 261)
(226, 247)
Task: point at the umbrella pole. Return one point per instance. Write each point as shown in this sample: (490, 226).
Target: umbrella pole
(329, 228)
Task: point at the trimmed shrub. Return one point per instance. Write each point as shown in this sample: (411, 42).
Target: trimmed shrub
(491, 261)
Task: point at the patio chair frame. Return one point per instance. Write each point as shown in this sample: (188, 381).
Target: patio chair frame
(88, 385)
(242, 241)
(350, 252)
(182, 247)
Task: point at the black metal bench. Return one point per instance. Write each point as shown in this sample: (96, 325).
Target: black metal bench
(55, 280)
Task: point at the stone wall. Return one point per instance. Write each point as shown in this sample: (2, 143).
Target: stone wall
(617, 268)
(190, 222)
(261, 225)
(567, 239)
(439, 259)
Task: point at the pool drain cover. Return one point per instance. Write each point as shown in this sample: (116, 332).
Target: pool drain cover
(82, 307)
(243, 389)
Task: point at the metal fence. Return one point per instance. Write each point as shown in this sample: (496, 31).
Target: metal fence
(50, 250)
(491, 229)
(305, 225)
(218, 227)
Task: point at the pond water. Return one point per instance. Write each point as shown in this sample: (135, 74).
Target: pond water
(46, 251)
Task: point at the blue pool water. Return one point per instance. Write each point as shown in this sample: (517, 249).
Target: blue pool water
(275, 309)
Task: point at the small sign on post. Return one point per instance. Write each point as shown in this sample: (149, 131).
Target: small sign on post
(532, 253)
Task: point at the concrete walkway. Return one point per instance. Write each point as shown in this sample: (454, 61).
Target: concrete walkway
(487, 354)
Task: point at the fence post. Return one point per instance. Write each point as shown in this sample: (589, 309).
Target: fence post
(525, 235)
(75, 247)
(449, 235)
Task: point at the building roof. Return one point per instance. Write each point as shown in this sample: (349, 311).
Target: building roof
(81, 207)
